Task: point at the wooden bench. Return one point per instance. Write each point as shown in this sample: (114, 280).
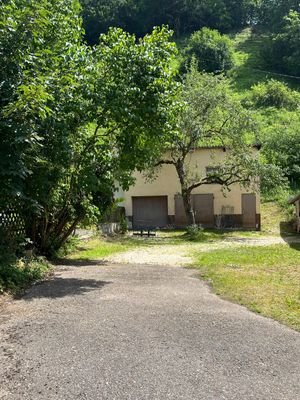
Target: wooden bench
(144, 231)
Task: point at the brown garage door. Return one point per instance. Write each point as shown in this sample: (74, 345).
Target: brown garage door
(203, 205)
(150, 212)
(249, 211)
(204, 209)
(180, 216)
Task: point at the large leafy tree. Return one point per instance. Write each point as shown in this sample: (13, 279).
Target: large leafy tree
(209, 115)
(75, 119)
(37, 52)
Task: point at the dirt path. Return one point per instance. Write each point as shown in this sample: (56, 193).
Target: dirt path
(181, 254)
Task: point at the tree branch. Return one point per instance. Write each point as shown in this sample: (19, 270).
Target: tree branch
(164, 162)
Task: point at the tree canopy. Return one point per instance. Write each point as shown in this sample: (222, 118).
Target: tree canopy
(74, 120)
(209, 115)
(183, 16)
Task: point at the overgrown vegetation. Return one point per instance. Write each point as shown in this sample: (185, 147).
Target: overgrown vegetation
(274, 101)
(76, 119)
(274, 93)
(17, 274)
(195, 233)
(265, 279)
(281, 52)
(212, 51)
(183, 16)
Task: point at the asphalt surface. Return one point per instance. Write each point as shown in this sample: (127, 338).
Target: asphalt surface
(137, 332)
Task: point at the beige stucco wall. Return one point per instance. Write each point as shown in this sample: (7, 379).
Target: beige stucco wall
(167, 184)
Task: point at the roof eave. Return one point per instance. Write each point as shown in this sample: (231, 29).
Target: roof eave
(294, 199)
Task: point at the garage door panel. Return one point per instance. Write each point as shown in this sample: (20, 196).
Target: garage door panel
(180, 216)
(150, 211)
(249, 211)
(203, 206)
(204, 209)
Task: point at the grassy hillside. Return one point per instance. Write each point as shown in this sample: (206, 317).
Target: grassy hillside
(249, 66)
(272, 122)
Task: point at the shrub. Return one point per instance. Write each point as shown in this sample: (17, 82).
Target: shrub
(195, 232)
(274, 94)
(17, 274)
(213, 51)
(123, 225)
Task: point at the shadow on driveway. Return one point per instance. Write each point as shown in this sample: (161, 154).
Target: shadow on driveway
(79, 262)
(63, 287)
(289, 235)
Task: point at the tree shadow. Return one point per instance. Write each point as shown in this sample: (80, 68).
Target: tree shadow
(64, 287)
(289, 235)
(78, 262)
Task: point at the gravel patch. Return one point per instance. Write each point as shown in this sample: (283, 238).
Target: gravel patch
(181, 254)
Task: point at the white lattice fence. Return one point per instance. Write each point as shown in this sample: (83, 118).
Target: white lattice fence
(12, 225)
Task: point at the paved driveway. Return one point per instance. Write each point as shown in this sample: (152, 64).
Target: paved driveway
(138, 332)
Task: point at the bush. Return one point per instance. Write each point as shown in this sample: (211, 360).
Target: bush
(281, 147)
(274, 94)
(195, 232)
(123, 225)
(213, 51)
(17, 274)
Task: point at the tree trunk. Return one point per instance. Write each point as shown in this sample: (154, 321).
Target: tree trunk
(188, 206)
(186, 193)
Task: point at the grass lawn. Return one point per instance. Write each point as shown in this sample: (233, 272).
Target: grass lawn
(275, 219)
(100, 247)
(265, 279)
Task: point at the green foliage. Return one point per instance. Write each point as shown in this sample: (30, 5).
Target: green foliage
(195, 233)
(272, 178)
(282, 146)
(281, 53)
(270, 13)
(99, 16)
(281, 196)
(74, 119)
(32, 48)
(209, 114)
(136, 85)
(276, 94)
(213, 51)
(123, 225)
(15, 275)
(274, 108)
(183, 16)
